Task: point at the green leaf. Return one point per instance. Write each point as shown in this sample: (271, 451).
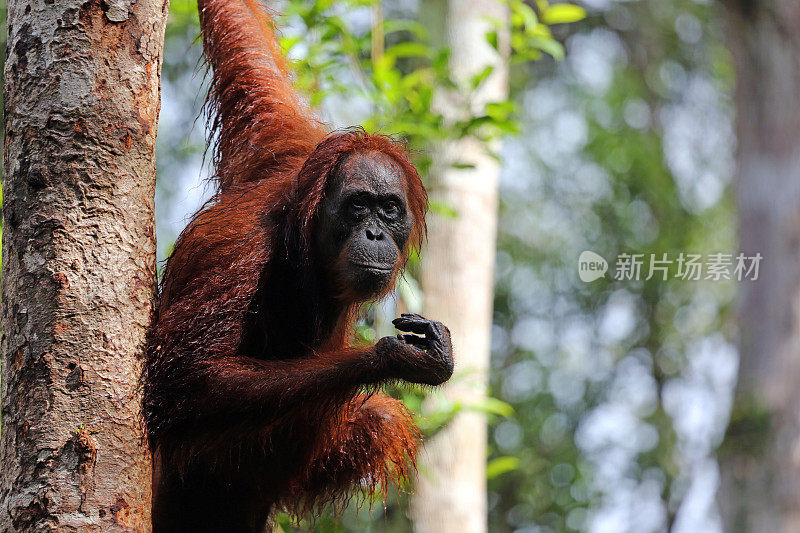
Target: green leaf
(563, 13)
(500, 110)
(491, 38)
(443, 209)
(550, 46)
(441, 61)
(439, 412)
(481, 76)
(501, 465)
(524, 15)
(492, 406)
(396, 25)
(409, 49)
(366, 333)
(287, 43)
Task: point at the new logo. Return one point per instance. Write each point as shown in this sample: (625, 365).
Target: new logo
(591, 266)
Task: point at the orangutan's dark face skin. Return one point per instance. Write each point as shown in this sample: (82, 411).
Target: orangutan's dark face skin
(364, 225)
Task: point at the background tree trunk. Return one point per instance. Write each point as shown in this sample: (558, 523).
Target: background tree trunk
(761, 456)
(82, 82)
(457, 274)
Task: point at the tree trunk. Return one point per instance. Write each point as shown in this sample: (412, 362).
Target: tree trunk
(457, 275)
(760, 458)
(82, 82)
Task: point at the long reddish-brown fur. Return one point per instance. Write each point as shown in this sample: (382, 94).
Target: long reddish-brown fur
(238, 430)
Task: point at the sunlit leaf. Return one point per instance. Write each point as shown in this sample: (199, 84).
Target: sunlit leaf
(492, 406)
(492, 39)
(481, 76)
(397, 25)
(409, 49)
(501, 465)
(440, 208)
(563, 13)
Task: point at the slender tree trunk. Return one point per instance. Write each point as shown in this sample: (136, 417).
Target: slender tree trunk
(457, 275)
(82, 82)
(760, 458)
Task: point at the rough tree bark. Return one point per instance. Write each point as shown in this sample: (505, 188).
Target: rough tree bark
(760, 458)
(457, 274)
(82, 82)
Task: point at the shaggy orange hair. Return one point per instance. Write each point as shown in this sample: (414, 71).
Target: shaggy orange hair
(237, 435)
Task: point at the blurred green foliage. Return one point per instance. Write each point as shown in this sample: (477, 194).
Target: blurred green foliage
(614, 192)
(394, 67)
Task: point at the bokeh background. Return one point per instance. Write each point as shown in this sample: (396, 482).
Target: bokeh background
(609, 400)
